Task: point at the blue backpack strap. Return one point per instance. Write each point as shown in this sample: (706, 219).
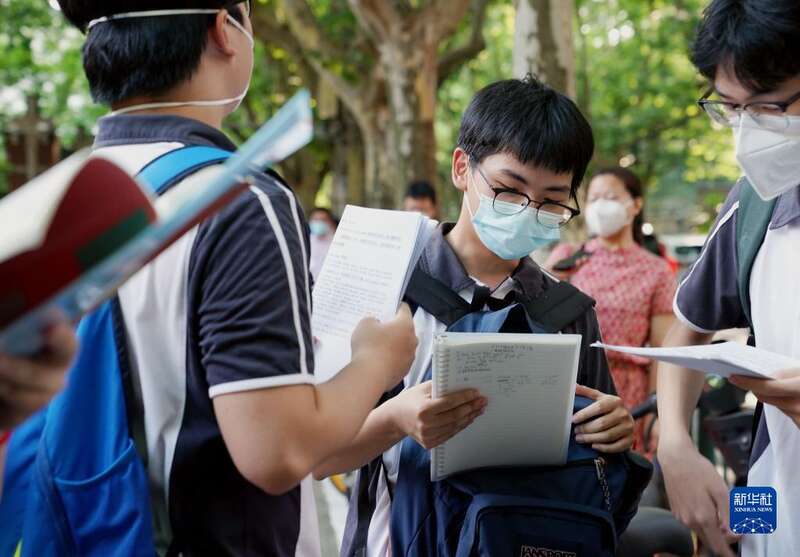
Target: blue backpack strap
(167, 170)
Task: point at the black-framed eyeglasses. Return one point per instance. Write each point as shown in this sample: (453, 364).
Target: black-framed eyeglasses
(549, 213)
(767, 115)
(248, 7)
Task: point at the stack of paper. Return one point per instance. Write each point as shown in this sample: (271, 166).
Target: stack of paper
(365, 274)
(724, 359)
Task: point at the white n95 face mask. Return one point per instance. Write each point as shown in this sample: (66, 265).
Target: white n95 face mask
(606, 217)
(769, 159)
(237, 100)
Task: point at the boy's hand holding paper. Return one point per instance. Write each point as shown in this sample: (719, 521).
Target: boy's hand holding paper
(365, 274)
(393, 344)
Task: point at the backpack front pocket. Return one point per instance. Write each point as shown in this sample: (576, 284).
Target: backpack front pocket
(509, 526)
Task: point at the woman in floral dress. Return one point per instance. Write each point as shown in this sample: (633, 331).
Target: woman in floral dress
(633, 288)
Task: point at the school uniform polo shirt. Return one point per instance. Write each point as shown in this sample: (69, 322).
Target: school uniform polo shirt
(224, 310)
(708, 300)
(441, 262)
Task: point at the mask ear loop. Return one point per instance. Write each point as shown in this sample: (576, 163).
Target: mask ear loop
(160, 13)
(466, 193)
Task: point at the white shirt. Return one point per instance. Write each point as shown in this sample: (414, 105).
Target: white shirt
(775, 299)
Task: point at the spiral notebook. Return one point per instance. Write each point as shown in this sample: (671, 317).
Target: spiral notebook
(529, 381)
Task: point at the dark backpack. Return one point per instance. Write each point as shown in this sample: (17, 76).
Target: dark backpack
(580, 508)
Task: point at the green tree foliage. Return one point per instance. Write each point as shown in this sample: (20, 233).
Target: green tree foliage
(634, 81)
(40, 56)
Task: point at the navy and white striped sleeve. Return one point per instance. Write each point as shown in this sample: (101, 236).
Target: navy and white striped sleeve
(707, 299)
(253, 315)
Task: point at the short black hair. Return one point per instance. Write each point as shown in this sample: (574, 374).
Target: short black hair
(756, 39)
(143, 56)
(327, 212)
(421, 189)
(531, 121)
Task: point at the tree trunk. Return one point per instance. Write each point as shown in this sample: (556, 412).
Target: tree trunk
(410, 69)
(543, 43)
(347, 163)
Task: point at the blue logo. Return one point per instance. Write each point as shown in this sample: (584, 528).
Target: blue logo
(754, 510)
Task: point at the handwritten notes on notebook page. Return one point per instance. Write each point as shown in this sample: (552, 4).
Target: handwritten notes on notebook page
(366, 272)
(724, 359)
(529, 381)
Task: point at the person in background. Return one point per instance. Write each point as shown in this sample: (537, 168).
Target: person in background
(633, 287)
(322, 223)
(421, 197)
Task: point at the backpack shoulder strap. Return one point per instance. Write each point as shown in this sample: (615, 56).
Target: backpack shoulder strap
(170, 168)
(752, 221)
(159, 175)
(558, 306)
(435, 297)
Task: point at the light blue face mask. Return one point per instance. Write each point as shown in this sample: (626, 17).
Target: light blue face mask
(319, 228)
(512, 236)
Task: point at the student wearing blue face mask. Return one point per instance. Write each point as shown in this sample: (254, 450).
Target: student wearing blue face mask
(322, 224)
(522, 153)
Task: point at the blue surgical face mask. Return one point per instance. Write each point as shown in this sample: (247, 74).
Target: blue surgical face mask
(511, 237)
(319, 228)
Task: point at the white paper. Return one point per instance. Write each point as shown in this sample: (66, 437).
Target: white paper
(529, 381)
(365, 274)
(723, 359)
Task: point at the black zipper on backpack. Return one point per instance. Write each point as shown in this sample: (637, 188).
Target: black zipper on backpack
(600, 468)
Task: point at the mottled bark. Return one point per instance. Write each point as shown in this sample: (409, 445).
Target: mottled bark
(543, 43)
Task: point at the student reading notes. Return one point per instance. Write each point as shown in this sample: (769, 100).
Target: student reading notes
(522, 152)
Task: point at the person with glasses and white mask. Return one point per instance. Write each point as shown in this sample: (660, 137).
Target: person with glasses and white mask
(749, 52)
(633, 288)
